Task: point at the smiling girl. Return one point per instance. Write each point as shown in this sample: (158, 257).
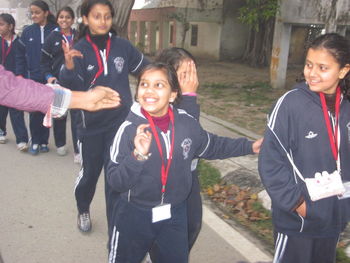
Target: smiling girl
(52, 60)
(98, 58)
(28, 66)
(307, 138)
(150, 167)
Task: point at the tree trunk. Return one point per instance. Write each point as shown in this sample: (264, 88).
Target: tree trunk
(259, 46)
(122, 13)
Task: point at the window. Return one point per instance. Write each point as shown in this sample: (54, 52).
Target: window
(194, 35)
(171, 37)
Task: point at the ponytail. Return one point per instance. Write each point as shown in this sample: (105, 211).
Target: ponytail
(45, 7)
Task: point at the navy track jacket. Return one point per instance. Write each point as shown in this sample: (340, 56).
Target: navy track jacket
(29, 52)
(52, 56)
(10, 60)
(140, 181)
(298, 124)
(124, 59)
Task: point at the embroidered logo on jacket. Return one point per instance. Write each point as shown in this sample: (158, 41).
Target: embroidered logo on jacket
(311, 135)
(57, 43)
(31, 39)
(90, 67)
(119, 64)
(186, 147)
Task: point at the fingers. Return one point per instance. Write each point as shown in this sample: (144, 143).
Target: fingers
(141, 129)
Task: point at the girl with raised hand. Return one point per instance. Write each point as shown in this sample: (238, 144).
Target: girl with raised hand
(9, 45)
(28, 66)
(98, 58)
(304, 160)
(52, 60)
(185, 65)
(150, 167)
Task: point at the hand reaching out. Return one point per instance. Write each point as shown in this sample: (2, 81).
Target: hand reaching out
(98, 98)
(69, 54)
(143, 139)
(257, 145)
(188, 79)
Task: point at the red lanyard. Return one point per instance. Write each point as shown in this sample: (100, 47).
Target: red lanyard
(98, 57)
(165, 167)
(333, 135)
(70, 42)
(5, 53)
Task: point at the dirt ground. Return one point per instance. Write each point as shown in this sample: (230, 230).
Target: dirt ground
(238, 93)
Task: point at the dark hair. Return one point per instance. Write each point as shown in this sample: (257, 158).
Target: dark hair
(339, 47)
(85, 9)
(170, 73)
(174, 56)
(45, 7)
(66, 9)
(8, 19)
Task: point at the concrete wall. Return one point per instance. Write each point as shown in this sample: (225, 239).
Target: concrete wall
(208, 44)
(314, 11)
(234, 35)
(201, 4)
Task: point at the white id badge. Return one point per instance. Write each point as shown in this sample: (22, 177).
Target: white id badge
(161, 212)
(347, 191)
(324, 185)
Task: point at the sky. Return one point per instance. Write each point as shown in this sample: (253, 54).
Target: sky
(138, 4)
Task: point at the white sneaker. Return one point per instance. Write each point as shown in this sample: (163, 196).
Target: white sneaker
(62, 151)
(2, 139)
(22, 146)
(77, 158)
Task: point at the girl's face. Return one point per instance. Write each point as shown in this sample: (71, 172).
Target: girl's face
(154, 92)
(322, 72)
(65, 20)
(99, 19)
(39, 16)
(5, 28)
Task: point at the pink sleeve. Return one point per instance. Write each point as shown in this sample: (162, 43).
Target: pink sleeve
(24, 94)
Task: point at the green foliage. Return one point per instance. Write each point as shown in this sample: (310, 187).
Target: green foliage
(255, 12)
(341, 256)
(208, 175)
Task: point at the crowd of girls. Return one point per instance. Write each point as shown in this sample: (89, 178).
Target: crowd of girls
(149, 146)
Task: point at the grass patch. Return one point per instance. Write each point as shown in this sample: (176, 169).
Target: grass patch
(244, 207)
(208, 175)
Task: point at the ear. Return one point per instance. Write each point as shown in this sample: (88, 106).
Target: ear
(173, 96)
(344, 71)
(85, 20)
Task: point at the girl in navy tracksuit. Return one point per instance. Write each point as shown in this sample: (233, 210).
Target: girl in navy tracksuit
(28, 66)
(52, 60)
(9, 45)
(150, 167)
(183, 61)
(308, 133)
(102, 58)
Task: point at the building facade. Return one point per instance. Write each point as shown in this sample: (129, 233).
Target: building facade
(207, 28)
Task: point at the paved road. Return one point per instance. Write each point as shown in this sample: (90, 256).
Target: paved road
(38, 216)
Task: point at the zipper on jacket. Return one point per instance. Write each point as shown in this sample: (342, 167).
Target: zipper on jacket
(83, 118)
(302, 223)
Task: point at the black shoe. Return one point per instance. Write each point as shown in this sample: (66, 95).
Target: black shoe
(84, 222)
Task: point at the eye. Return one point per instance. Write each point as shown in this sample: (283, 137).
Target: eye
(323, 67)
(143, 84)
(308, 65)
(160, 85)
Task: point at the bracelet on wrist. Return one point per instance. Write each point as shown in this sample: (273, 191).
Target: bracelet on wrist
(140, 156)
